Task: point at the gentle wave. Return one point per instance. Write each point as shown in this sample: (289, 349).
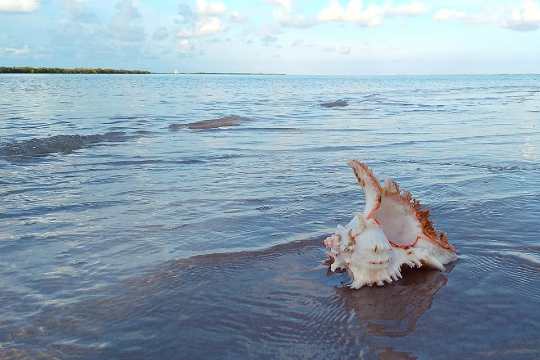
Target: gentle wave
(490, 167)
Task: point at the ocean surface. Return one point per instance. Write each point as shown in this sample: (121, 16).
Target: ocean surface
(127, 234)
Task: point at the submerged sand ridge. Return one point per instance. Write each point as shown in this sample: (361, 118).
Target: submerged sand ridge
(333, 104)
(64, 144)
(225, 121)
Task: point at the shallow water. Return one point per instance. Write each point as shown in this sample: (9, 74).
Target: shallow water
(103, 208)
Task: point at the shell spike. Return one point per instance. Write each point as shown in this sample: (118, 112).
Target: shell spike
(370, 185)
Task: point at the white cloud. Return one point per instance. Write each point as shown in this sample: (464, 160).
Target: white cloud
(370, 15)
(283, 12)
(208, 26)
(18, 5)
(203, 27)
(354, 12)
(207, 19)
(205, 8)
(15, 51)
(526, 17)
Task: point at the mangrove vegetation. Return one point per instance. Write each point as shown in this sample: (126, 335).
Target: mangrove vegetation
(54, 70)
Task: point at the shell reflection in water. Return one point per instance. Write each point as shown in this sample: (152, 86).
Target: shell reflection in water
(394, 310)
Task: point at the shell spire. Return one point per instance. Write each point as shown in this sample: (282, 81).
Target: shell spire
(393, 230)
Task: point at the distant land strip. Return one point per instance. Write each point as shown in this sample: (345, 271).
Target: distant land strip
(54, 70)
(220, 73)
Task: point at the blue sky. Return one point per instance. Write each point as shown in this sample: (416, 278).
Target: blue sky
(286, 36)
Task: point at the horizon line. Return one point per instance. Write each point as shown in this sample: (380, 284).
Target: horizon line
(232, 73)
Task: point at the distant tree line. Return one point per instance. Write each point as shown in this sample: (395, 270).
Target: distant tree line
(48, 70)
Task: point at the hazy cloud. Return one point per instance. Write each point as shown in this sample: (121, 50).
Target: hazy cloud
(208, 26)
(203, 27)
(410, 9)
(354, 11)
(285, 5)
(525, 17)
(125, 24)
(7, 51)
(184, 46)
(343, 50)
(127, 10)
(268, 40)
(296, 21)
(205, 8)
(78, 11)
(160, 34)
(456, 15)
(186, 14)
(236, 17)
(369, 15)
(18, 6)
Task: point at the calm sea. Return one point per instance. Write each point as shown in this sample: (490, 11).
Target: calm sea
(122, 237)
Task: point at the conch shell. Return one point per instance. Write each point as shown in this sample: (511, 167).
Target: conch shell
(392, 231)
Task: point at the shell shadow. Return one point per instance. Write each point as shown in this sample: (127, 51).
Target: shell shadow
(394, 309)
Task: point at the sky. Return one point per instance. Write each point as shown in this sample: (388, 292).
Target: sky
(346, 37)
